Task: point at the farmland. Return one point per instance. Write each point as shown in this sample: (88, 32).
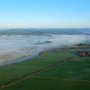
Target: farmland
(48, 71)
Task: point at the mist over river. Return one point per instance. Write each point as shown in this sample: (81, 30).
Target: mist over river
(16, 48)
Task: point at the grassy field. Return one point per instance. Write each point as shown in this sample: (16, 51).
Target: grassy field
(48, 71)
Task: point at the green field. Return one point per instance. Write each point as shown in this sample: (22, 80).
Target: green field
(48, 71)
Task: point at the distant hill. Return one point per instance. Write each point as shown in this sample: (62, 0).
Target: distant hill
(43, 32)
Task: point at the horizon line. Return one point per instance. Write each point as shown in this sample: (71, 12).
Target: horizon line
(48, 28)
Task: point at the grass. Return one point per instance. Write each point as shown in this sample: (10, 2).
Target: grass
(17, 70)
(49, 84)
(73, 74)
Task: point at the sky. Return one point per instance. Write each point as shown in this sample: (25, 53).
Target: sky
(44, 13)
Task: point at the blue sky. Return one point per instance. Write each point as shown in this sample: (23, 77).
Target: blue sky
(44, 13)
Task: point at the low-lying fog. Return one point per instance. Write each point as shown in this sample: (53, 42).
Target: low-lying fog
(15, 47)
